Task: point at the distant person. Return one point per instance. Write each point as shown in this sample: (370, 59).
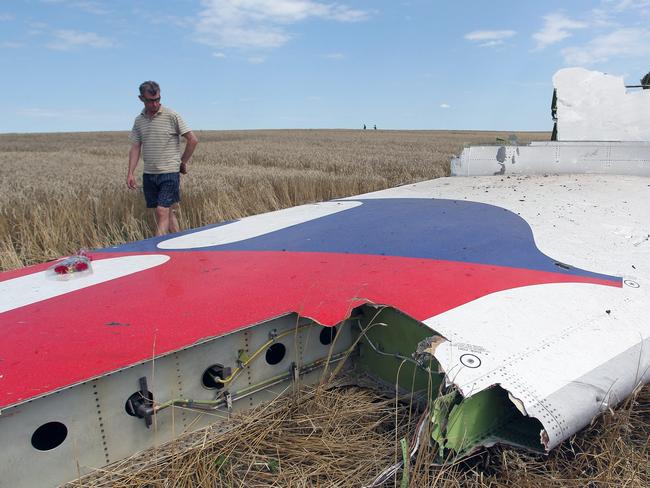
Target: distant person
(375, 127)
(157, 135)
(364, 126)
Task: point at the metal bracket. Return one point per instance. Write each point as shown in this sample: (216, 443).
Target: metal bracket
(242, 357)
(228, 397)
(140, 404)
(295, 372)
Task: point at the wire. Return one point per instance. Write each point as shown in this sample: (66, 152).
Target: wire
(214, 404)
(245, 363)
(389, 472)
(393, 355)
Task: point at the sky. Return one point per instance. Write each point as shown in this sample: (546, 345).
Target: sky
(75, 65)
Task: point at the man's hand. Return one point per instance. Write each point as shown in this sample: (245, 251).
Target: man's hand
(130, 182)
(134, 157)
(190, 144)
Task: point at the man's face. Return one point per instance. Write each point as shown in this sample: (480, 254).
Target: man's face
(151, 102)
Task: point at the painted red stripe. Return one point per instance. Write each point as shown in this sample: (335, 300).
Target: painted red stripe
(196, 295)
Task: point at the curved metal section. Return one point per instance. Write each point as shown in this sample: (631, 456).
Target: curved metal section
(614, 158)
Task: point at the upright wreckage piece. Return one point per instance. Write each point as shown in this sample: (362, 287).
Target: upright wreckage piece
(513, 304)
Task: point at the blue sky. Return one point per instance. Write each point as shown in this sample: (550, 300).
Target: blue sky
(75, 65)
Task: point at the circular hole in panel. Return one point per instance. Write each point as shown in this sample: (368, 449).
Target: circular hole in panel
(211, 375)
(327, 335)
(275, 353)
(135, 401)
(48, 436)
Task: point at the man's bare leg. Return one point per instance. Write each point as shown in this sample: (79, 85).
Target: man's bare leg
(162, 220)
(173, 219)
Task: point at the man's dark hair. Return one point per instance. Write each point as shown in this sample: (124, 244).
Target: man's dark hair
(646, 81)
(150, 87)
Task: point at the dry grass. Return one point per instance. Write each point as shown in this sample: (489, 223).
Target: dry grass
(614, 451)
(63, 192)
(332, 437)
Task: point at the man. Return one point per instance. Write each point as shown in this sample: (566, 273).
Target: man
(156, 134)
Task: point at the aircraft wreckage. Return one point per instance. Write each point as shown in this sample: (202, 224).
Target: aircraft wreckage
(514, 302)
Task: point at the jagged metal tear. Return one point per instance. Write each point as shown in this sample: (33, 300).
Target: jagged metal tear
(459, 425)
(501, 410)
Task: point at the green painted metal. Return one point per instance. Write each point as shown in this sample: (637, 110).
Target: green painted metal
(396, 336)
(388, 340)
(461, 425)
(442, 406)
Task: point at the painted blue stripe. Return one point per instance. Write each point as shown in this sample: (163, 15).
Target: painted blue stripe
(453, 230)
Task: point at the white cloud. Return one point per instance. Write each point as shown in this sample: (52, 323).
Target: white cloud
(489, 35)
(11, 45)
(490, 38)
(445, 105)
(609, 11)
(335, 56)
(491, 43)
(263, 23)
(256, 60)
(64, 40)
(556, 28)
(6, 17)
(601, 17)
(218, 55)
(620, 5)
(621, 43)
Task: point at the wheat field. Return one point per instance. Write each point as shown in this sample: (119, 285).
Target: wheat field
(64, 192)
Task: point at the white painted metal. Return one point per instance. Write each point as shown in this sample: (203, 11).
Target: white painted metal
(532, 343)
(624, 158)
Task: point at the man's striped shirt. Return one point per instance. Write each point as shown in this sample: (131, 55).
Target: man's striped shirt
(160, 137)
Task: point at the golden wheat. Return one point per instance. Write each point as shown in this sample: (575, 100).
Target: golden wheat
(63, 192)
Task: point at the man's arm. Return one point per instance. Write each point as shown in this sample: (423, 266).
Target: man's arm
(134, 158)
(191, 142)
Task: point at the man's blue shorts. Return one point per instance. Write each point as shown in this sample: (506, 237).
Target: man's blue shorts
(161, 190)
